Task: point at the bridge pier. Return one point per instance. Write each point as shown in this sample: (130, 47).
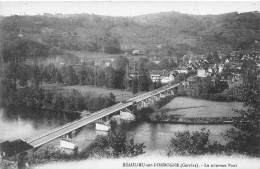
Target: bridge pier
(161, 95)
(74, 133)
(142, 104)
(157, 98)
(103, 119)
(68, 135)
(146, 103)
(172, 92)
(139, 105)
(153, 100)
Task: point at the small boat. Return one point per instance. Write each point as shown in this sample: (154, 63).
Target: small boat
(103, 127)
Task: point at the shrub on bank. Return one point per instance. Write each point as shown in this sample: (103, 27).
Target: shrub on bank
(112, 146)
(193, 143)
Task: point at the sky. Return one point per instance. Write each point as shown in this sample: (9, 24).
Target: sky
(125, 8)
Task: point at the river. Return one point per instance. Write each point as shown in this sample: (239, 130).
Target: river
(156, 137)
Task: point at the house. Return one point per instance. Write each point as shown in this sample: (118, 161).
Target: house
(195, 86)
(68, 146)
(167, 79)
(258, 64)
(155, 77)
(202, 73)
(156, 61)
(182, 71)
(220, 68)
(136, 52)
(162, 76)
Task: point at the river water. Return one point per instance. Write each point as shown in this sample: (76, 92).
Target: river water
(156, 137)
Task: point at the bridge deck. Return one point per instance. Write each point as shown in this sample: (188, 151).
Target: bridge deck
(69, 127)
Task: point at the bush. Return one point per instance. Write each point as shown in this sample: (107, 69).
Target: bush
(244, 142)
(113, 146)
(195, 143)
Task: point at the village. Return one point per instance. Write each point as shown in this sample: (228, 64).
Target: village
(83, 87)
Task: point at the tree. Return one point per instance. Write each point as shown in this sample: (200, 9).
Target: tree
(20, 49)
(134, 85)
(121, 64)
(167, 63)
(101, 77)
(114, 145)
(144, 80)
(49, 73)
(69, 75)
(82, 76)
(23, 74)
(58, 77)
(11, 74)
(111, 44)
(110, 77)
(36, 76)
(193, 143)
(250, 86)
(246, 139)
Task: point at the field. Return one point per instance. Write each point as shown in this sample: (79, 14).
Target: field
(192, 108)
(120, 94)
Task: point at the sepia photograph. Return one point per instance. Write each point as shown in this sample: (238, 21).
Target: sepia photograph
(129, 84)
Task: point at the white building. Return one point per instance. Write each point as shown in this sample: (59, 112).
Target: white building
(202, 73)
(136, 52)
(182, 71)
(67, 144)
(155, 77)
(167, 79)
(220, 68)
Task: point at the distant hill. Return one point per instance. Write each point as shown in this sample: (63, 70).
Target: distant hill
(168, 33)
(202, 33)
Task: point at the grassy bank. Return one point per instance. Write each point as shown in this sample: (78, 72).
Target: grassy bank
(188, 110)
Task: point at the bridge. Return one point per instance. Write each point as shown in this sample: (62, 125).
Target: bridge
(139, 102)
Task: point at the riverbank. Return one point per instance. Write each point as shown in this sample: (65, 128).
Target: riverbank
(196, 121)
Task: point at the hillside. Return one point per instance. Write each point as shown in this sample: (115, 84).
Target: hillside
(227, 31)
(168, 33)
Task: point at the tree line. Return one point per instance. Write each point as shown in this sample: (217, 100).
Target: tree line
(26, 75)
(42, 99)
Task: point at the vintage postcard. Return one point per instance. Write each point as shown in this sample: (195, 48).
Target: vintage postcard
(129, 84)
